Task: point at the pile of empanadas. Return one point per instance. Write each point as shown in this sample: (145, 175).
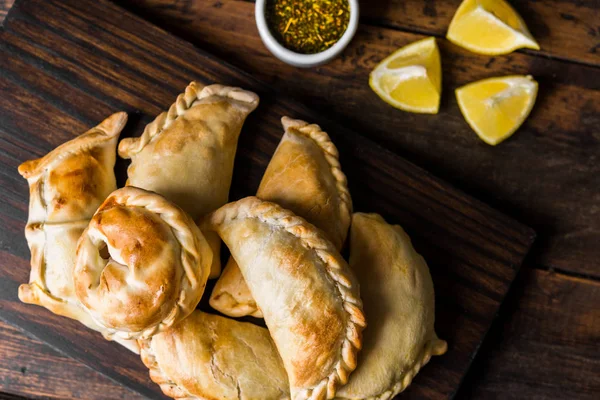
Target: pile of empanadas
(133, 263)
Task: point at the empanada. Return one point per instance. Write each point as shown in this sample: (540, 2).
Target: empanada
(306, 291)
(66, 186)
(305, 177)
(211, 357)
(186, 154)
(398, 297)
(142, 264)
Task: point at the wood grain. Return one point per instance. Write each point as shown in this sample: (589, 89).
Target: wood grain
(11, 396)
(513, 362)
(25, 365)
(547, 175)
(544, 345)
(66, 64)
(534, 332)
(65, 335)
(564, 29)
(5, 5)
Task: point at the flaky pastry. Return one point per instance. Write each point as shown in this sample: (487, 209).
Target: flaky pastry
(398, 297)
(66, 186)
(305, 177)
(187, 153)
(142, 264)
(211, 357)
(306, 291)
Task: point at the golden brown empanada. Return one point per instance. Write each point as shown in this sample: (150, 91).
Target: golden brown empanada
(186, 154)
(142, 264)
(306, 291)
(211, 357)
(398, 298)
(65, 188)
(305, 177)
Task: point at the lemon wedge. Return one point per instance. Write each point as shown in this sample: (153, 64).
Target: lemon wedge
(489, 27)
(496, 107)
(410, 78)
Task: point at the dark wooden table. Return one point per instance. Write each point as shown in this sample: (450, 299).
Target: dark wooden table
(545, 341)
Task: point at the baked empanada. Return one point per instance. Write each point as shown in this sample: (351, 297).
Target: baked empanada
(398, 297)
(305, 177)
(66, 186)
(186, 154)
(142, 264)
(306, 291)
(211, 357)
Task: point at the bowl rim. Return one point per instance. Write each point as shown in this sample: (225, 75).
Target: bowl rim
(294, 58)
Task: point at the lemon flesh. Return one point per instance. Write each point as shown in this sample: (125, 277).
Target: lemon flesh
(495, 108)
(490, 27)
(410, 78)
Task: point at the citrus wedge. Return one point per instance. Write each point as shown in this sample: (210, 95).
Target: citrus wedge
(489, 27)
(496, 107)
(410, 78)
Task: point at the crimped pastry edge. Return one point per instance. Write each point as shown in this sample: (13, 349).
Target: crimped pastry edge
(183, 227)
(322, 139)
(313, 238)
(105, 131)
(36, 291)
(168, 387)
(433, 347)
(194, 91)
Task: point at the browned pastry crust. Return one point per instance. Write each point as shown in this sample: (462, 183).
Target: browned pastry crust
(66, 186)
(142, 264)
(399, 301)
(70, 182)
(211, 357)
(307, 292)
(187, 153)
(305, 177)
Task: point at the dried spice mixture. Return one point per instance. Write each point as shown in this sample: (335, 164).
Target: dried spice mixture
(308, 26)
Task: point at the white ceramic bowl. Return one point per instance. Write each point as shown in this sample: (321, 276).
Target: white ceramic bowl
(299, 59)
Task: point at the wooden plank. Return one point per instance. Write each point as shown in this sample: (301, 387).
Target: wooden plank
(536, 331)
(67, 336)
(66, 62)
(31, 368)
(527, 176)
(564, 29)
(544, 345)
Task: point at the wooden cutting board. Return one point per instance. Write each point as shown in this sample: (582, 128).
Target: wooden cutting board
(65, 65)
